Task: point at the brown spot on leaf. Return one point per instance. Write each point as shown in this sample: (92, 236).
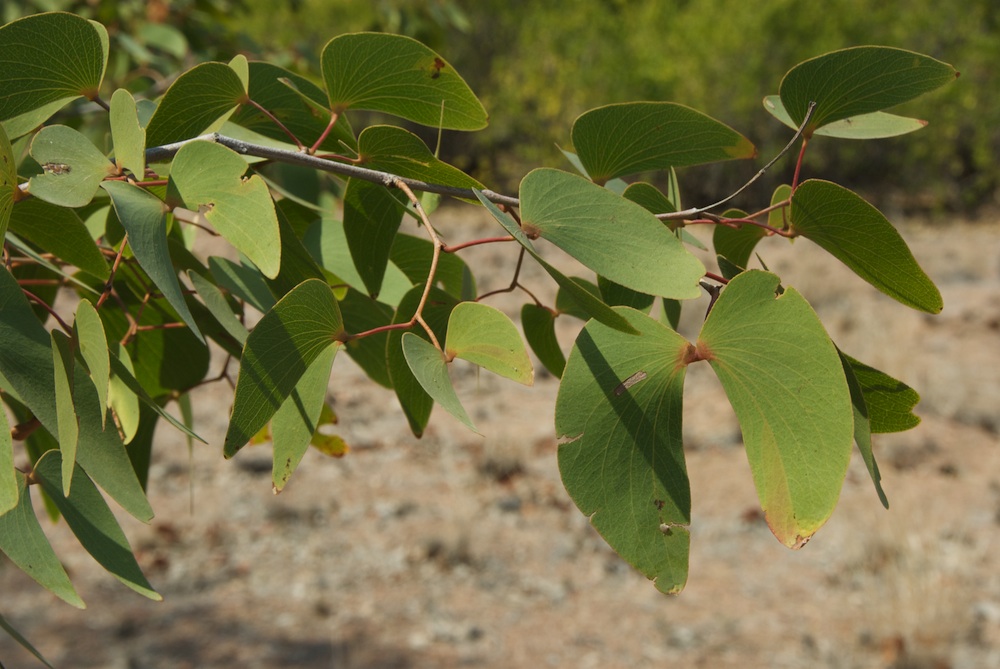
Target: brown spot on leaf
(436, 68)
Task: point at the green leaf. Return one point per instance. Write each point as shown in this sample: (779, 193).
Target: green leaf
(649, 197)
(22, 540)
(413, 399)
(613, 236)
(413, 255)
(90, 519)
(876, 125)
(889, 401)
(397, 151)
(857, 234)
(671, 315)
(207, 174)
(8, 181)
(620, 296)
(778, 218)
(64, 364)
(243, 282)
(123, 401)
(362, 313)
(539, 329)
(295, 101)
(128, 136)
(218, 306)
(589, 302)
(195, 101)
(620, 404)
(72, 167)
(862, 428)
(57, 58)
(567, 304)
(277, 353)
(737, 244)
(859, 80)
(59, 231)
(93, 344)
(400, 76)
(431, 371)
(142, 215)
(241, 67)
(372, 215)
(622, 139)
(294, 424)
(783, 376)
(122, 367)
(486, 337)
(8, 475)
(16, 636)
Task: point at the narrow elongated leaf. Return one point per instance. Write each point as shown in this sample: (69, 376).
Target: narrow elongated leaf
(611, 235)
(397, 151)
(69, 425)
(93, 344)
(17, 636)
(277, 353)
(72, 167)
(90, 519)
(128, 136)
(431, 371)
(783, 376)
(889, 401)
(863, 428)
(876, 125)
(26, 363)
(589, 302)
(123, 401)
(620, 296)
(299, 104)
(210, 175)
(398, 75)
(8, 181)
(122, 368)
(243, 282)
(57, 57)
(485, 336)
(8, 475)
(60, 231)
(294, 424)
(414, 400)
(859, 80)
(620, 404)
(857, 234)
(372, 215)
(539, 329)
(22, 540)
(622, 139)
(196, 100)
(217, 305)
(142, 215)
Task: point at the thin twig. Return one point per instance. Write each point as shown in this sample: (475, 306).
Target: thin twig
(44, 305)
(687, 213)
(114, 268)
(418, 315)
(282, 126)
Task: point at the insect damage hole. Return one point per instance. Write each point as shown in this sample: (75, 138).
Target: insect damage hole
(629, 382)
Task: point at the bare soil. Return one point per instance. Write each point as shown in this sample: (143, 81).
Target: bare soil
(459, 550)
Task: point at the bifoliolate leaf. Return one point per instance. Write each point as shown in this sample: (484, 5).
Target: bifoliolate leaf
(619, 404)
(611, 235)
(430, 370)
(295, 423)
(210, 175)
(622, 139)
(196, 100)
(37, 48)
(22, 540)
(783, 376)
(400, 76)
(142, 214)
(277, 353)
(90, 519)
(857, 234)
(876, 125)
(589, 302)
(859, 80)
(72, 167)
(128, 136)
(486, 337)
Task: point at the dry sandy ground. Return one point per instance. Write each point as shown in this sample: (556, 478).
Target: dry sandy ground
(458, 550)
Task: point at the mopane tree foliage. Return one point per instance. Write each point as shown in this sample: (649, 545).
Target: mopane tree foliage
(106, 203)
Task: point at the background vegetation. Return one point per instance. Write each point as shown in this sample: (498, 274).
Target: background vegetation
(540, 66)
